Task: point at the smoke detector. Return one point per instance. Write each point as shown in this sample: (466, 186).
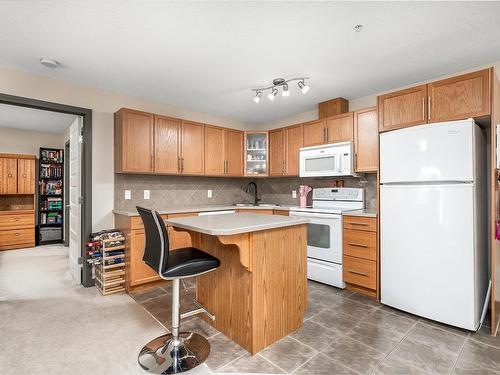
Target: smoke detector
(49, 63)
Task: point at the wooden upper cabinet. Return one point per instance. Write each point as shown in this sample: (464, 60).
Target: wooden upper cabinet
(340, 128)
(193, 148)
(366, 140)
(402, 108)
(315, 132)
(277, 152)
(294, 139)
(167, 144)
(26, 176)
(233, 150)
(214, 151)
(461, 97)
(8, 176)
(134, 133)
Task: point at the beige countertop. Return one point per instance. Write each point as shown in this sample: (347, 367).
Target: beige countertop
(366, 212)
(229, 224)
(133, 212)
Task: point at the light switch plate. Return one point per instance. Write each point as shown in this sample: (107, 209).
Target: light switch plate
(128, 194)
(294, 193)
(147, 194)
(209, 193)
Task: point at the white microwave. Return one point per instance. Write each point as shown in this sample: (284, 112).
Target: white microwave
(334, 159)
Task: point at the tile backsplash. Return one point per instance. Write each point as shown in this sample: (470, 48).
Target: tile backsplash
(191, 191)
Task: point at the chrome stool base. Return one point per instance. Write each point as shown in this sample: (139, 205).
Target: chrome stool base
(161, 356)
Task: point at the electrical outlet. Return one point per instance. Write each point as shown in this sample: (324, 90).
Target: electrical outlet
(209, 193)
(147, 194)
(294, 193)
(128, 194)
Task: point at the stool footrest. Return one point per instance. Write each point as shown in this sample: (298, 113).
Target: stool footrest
(200, 310)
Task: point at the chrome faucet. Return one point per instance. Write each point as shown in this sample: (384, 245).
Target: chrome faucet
(247, 190)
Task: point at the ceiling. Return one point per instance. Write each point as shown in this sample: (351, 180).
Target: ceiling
(12, 116)
(206, 56)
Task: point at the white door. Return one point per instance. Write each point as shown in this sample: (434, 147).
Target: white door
(75, 232)
(436, 152)
(427, 251)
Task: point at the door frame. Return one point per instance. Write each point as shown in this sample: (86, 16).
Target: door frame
(86, 183)
(66, 197)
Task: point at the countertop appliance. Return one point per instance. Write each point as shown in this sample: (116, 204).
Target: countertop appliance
(334, 159)
(324, 232)
(433, 219)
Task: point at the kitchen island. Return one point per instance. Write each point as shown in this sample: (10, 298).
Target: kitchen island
(259, 293)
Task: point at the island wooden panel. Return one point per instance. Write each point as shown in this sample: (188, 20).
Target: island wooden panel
(256, 301)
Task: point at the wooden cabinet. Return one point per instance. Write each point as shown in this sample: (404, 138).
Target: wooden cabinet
(361, 255)
(294, 140)
(402, 108)
(340, 128)
(215, 163)
(333, 107)
(26, 176)
(167, 144)
(233, 151)
(8, 175)
(366, 140)
(277, 152)
(223, 151)
(139, 272)
(315, 132)
(134, 148)
(255, 211)
(455, 98)
(193, 148)
(461, 97)
(17, 229)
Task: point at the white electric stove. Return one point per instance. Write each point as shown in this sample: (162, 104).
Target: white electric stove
(324, 234)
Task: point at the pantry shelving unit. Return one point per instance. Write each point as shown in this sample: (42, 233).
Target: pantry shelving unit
(50, 196)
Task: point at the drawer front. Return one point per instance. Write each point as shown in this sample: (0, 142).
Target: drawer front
(360, 272)
(360, 244)
(136, 222)
(360, 223)
(17, 236)
(17, 221)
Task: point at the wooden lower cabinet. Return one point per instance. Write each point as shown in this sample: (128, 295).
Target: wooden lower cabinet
(17, 230)
(139, 273)
(253, 211)
(360, 255)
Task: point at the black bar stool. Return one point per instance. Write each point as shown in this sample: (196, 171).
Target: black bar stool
(178, 351)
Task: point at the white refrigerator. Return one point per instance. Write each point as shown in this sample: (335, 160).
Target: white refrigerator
(433, 221)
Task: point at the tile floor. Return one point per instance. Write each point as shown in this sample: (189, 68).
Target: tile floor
(343, 333)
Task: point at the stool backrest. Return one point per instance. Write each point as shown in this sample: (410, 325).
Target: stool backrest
(156, 248)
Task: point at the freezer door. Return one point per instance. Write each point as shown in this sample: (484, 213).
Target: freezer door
(427, 251)
(434, 152)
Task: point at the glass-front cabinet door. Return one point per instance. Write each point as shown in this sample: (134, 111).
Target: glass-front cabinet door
(256, 154)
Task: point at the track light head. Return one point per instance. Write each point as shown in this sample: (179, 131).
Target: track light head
(285, 91)
(273, 94)
(303, 87)
(257, 96)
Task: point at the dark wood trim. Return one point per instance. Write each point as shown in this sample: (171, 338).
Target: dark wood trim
(86, 182)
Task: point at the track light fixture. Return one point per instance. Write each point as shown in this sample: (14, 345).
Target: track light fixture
(272, 94)
(257, 96)
(303, 87)
(283, 83)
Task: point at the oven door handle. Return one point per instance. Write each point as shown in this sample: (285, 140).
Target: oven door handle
(316, 215)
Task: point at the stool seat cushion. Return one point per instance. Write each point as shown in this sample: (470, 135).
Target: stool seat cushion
(189, 261)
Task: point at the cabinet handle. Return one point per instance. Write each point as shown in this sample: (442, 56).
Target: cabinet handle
(284, 167)
(326, 140)
(182, 164)
(357, 244)
(324, 135)
(179, 164)
(152, 162)
(423, 108)
(17, 234)
(16, 219)
(360, 224)
(358, 273)
(226, 166)
(429, 107)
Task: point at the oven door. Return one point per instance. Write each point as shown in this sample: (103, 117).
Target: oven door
(324, 236)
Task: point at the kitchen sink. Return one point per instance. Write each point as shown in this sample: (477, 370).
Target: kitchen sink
(256, 205)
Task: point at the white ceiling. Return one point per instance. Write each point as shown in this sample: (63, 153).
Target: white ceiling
(34, 119)
(206, 56)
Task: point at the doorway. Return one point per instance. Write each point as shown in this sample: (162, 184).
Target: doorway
(81, 184)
